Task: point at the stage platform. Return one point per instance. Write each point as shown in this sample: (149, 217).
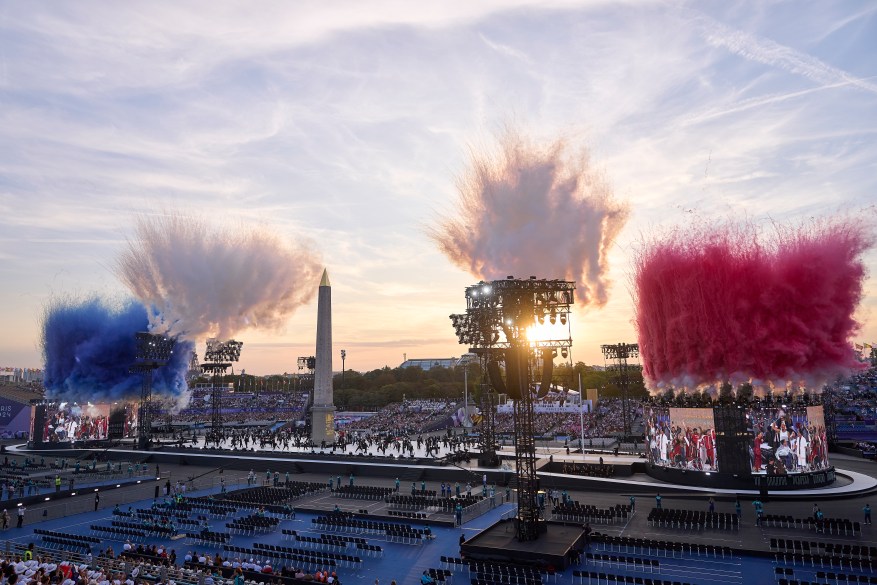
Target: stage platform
(849, 483)
(555, 547)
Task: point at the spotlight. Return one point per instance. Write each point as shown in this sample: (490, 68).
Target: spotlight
(552, 318)
(564, 352)
(563, 318)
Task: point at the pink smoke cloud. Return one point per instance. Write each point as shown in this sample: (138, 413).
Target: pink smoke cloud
(720, 303)
(534, 210)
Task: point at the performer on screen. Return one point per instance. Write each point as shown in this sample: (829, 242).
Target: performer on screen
(756, 450)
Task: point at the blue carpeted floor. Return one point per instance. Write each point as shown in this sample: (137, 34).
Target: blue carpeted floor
(405, 563)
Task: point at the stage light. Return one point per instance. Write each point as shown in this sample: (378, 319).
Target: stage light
(505, 321)
(563, 318)
(564, 352)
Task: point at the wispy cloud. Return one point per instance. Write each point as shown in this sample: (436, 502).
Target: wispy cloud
(350, 127)
(768, 52)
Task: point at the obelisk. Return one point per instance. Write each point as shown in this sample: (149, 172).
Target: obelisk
(323, 408)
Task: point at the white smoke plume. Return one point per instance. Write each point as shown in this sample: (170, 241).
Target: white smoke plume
(534, 210)
(201, 280)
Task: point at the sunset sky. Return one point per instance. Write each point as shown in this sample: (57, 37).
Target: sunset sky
(349, 123)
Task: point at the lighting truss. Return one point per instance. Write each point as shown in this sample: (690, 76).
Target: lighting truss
(495, 326)
(152, 351)
(218, 357)
(498, 313)
(620, 353)
(307, 363)
(153, 348)
(223, 351)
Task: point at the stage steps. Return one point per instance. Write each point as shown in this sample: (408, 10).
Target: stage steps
(409, 474)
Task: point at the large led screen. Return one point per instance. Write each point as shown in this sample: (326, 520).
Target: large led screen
(787, 440)
(682, 438)
(68, 423)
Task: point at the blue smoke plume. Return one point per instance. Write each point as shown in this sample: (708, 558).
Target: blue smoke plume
(89, 346)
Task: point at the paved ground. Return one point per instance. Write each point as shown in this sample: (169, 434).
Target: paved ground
(405, 562)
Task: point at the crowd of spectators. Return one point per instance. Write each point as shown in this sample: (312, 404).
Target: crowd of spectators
(607, 420)
(856, 400)
(406, 418)
(237, 407)
(413, 417)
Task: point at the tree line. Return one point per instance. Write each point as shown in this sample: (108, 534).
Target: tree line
(375, 389)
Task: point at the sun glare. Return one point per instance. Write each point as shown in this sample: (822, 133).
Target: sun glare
(547, 331)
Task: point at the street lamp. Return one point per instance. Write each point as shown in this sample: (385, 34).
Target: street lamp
(343, 356)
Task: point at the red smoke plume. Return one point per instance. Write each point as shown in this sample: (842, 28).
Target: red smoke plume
(719, 304)
(533, 210)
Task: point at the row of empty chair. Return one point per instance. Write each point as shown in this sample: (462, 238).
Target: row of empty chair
(362, 492)
(692, 519)
(823, 578)
(573, 511)
(843, 526)
(439, 504)
(207, 537)
(396, 532)
(824, 561)
(659, 547)
(598, 578)
(622, 561)
(277, 552)
(79, 537)
(118, 533)
(862, 552)
(406, 514)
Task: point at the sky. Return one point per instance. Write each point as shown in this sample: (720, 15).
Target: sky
(349, 123)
